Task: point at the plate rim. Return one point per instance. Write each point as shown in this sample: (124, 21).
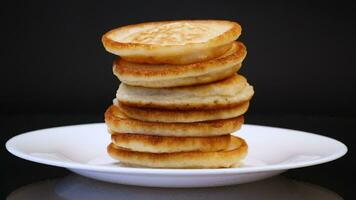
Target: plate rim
(160, 171)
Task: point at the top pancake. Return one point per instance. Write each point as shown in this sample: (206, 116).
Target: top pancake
(167, 75)
(172, 42)
(226, 93)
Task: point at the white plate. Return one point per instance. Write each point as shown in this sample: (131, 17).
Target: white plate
(82, 149)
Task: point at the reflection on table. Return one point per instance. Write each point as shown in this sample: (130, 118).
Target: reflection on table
(77, 187)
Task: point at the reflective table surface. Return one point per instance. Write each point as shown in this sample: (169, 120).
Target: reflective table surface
(77, 187)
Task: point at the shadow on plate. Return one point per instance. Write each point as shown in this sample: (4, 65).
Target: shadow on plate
(77, 187)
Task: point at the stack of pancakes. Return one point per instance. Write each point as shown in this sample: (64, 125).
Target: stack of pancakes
(180, 97)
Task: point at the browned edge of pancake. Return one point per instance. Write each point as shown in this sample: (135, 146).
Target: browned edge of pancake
(184, 116)
(200, 129)
(245, 90)
(123, 67)
(165, 144)
(193, 159)
(210, 53)
(179, 106)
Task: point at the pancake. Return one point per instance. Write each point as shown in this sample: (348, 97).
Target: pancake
(166, 144)
(192, 159)
(165, 75)
(226, 93)
(172, 42)
(118, 122)
(184, 116)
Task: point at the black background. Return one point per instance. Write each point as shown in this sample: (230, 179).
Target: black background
(301, 61)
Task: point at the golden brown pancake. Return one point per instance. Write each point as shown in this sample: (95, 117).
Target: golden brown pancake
(192, 159)
(166, 144)
(226, 93)
(172, 42)
(165, 75)
(184, 116)
(118, 122)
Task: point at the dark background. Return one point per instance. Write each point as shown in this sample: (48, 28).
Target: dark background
(301, 61)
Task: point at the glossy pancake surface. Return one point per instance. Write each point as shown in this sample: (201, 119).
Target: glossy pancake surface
(165, 75)
(172, 42)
